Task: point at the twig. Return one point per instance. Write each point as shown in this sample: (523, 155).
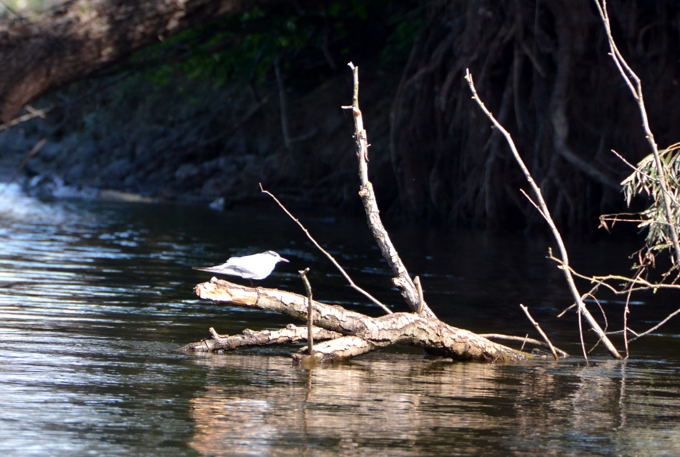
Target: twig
(651, 329)
(214, 334)
(310, 310)
(545, 212)
(419, 288)
(402, 278)
(326, 253)
(635, 86)
(641, 283)
(540, 331)
(524, 340)
(32, 113)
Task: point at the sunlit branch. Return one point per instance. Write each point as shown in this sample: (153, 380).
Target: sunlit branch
(545, 212)
(327, 254)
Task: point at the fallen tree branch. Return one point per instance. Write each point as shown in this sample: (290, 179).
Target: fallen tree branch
(291, 334)
(367, 333)
(358, 333)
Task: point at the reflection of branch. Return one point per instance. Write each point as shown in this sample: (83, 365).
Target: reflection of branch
(402, 279)
(327, 254)
(545, 212)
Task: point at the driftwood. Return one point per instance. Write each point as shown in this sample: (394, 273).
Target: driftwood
(348, 333)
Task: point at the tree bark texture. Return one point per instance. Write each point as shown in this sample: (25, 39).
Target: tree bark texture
(360, 333)
(83, 36)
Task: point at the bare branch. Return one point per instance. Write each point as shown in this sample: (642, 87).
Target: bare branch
(657, 326)
(402, 278)
(635, 86)
(366, 332)
(523, 340)
(540, 331)
(327, 254)
(290, 334)
(545, 212)
(310, 311)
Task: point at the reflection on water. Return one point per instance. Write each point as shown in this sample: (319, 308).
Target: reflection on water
(411, 406)
(96, 298)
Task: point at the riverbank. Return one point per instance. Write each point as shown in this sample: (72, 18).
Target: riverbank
(169, 148)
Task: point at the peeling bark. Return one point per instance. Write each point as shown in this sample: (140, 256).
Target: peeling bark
(291, 334)
(360, 333)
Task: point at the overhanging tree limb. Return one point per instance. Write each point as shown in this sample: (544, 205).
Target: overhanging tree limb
(635, 86)
(81, 36)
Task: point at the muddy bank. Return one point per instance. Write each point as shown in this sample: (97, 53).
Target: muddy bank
(169, 147)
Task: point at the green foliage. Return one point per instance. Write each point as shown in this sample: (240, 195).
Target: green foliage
(645, 180)
(199, 75)
(245, 47)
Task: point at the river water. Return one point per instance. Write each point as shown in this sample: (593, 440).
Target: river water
(96, 298)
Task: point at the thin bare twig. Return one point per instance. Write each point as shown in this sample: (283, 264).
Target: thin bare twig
(540, 331)
(635, 86)
(545, 212)
(326, 253)
(310, 311)
(32, 113)
(640, 283)
(655, 327)
(523, 340)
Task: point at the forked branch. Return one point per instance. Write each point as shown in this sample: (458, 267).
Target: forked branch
(543, 209)
(402, 279)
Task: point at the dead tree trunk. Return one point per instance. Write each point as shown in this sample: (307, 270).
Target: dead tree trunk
(82, 36)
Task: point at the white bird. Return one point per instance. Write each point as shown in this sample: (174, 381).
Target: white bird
(255, 266)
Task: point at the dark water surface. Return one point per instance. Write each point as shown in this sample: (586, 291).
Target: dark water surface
(96, 298)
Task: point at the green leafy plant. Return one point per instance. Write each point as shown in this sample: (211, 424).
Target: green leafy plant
(645, 181)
